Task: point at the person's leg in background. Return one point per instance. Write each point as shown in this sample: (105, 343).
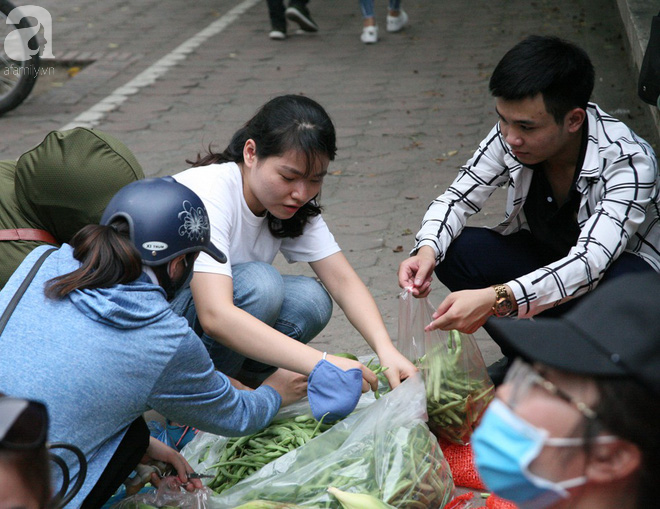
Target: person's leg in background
(369, 25)
(276, 12)
(396, 17)
(299, 13)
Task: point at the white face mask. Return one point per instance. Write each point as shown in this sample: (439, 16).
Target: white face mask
(505, 445)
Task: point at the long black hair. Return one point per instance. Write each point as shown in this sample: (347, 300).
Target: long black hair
(287, 122)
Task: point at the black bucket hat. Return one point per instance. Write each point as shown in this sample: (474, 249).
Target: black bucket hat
(613, 331)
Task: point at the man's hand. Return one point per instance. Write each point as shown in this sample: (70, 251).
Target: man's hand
(465, 311)
(416, 272)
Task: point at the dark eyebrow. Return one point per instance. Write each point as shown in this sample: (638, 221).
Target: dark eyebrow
(519, 122)
(299, 173)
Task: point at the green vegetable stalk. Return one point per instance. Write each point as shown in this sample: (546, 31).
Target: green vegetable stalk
(403, 468)
(242, 456)
(456, 397)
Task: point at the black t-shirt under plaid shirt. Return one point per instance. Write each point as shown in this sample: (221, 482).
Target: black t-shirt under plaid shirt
(554, 226)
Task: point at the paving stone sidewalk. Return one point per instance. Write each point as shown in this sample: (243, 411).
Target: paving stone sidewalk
(409, 110)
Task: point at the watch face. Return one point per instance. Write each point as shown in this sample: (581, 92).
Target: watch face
(503, 307)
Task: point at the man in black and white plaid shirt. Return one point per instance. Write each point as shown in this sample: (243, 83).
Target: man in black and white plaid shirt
(582, 204)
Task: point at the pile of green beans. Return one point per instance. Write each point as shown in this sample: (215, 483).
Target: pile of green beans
(242, 456)
(455, 397)
(383, 382)
(412, 474)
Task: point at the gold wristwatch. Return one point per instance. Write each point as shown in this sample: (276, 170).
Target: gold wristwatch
(503, 305)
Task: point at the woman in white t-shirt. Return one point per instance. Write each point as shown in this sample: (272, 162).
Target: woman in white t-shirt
(261, 196)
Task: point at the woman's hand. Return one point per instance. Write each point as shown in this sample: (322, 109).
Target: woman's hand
(416, 272)
(291, 386)
(369, 378)
(158, 451)
(398, 367)
(465, 310)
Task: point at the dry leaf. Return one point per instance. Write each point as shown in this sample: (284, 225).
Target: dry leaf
(397, 249)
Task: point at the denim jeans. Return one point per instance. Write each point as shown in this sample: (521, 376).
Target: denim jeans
(367, 7)
(297, 306)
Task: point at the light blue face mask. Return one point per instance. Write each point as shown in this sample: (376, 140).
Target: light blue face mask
(504, 446)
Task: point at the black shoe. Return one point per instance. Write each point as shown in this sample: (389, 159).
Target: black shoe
(497, 370)
(300, 14)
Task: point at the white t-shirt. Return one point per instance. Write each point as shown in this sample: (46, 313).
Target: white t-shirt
(241, 235)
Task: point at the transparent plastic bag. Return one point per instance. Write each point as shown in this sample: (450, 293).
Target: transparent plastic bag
(169, 494)
(458, 388)
(210, 454)
(385, 450)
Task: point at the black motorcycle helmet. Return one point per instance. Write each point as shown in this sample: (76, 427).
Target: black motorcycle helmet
(166, 219)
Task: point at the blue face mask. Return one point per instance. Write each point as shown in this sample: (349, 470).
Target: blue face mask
(504, 446)
(332, 392)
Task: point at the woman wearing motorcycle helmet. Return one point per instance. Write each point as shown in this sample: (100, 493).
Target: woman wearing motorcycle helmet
(93, 337)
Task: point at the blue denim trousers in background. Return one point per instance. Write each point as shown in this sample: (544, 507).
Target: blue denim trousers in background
(297, 306)
(367, 7)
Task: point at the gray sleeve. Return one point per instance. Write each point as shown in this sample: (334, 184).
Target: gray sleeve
(190, 391)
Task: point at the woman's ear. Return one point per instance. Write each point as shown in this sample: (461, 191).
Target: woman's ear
(173, 269)
(613, 461)
(249, 152)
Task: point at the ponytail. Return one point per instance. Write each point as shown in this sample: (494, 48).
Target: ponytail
(108, 258)
(232, 154)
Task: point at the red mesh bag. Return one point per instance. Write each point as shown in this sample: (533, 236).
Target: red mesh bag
(461, 501)
(461, 464)
(495, 502)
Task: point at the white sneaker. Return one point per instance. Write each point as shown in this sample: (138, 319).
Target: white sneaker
(369, 34)
(396, 23)
(277, 35)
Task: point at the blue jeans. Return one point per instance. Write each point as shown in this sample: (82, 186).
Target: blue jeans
(367, 7)
(297, 306)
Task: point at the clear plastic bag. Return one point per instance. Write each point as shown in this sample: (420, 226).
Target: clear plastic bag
(169, 494)
(209, 454)
(385, 450)
(458, 388)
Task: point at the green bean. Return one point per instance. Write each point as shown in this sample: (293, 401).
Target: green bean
(242, 456)
(455, 398)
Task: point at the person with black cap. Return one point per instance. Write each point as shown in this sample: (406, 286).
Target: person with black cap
(90, 334)
(575, 423)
